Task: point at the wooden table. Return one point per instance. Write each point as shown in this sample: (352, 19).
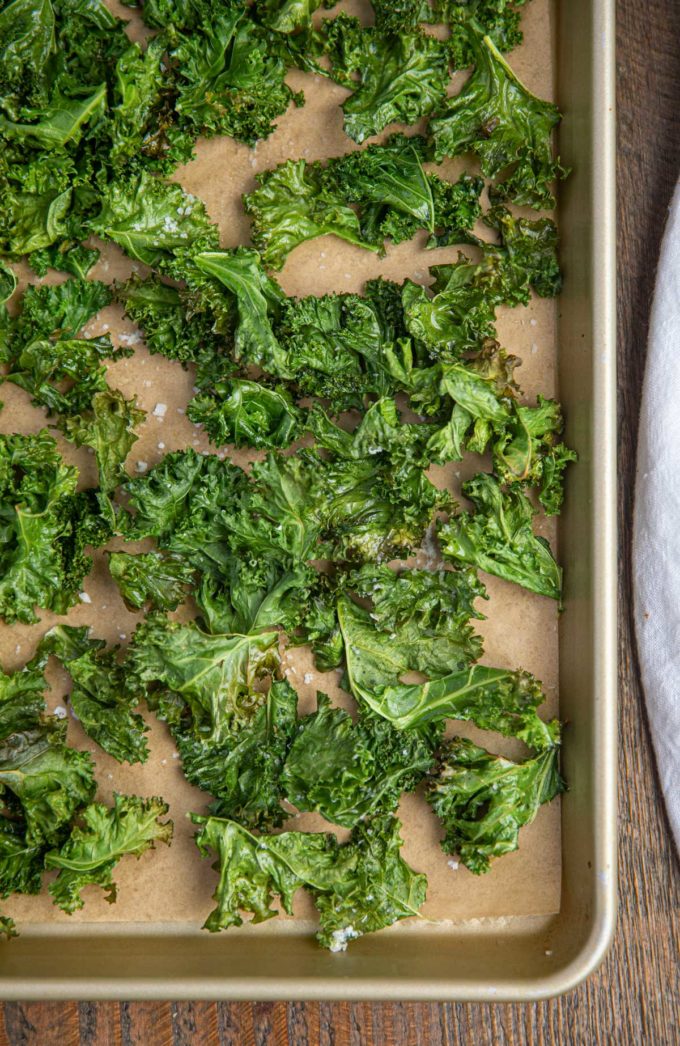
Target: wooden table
(634, 999)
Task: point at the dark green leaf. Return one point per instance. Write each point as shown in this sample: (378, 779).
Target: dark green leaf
(498, 538)
(483, 800)
(90, 854)
(103, 693)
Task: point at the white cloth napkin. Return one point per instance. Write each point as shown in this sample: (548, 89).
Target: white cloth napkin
(656, 540)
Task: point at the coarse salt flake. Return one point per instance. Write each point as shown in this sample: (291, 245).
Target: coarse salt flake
(308, 676)
(453, 865)
(84, 598)
(141, 466)
(159, 410)
(60, 712)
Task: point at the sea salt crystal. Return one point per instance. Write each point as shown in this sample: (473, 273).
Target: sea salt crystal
(159, 410)
(84, 598)
(164, 762)
(339, 938)
(532, 322)
(17, 649)
(161, 445)
(453, 865)
(308, 676)
(122, 635)
(534, 348)
(141, 466)
(60, 712)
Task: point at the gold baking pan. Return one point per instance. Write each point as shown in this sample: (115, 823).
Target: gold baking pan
(543, 918)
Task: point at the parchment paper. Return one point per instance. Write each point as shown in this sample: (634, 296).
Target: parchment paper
(173, 885)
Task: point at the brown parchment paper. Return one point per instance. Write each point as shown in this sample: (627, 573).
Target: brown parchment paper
(173, 885)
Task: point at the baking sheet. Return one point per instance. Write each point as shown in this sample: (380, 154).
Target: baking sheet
(173, 885)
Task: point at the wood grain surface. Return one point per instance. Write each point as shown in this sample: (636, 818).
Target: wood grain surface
(635, 997)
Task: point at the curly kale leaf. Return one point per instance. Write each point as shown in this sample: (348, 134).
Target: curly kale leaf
(249, 594)
(418, 640)
(528, 451)
(258, 301)
(184, 502)
(253, 870)
(460, 315)
(61, 371)
(339, 346)
(492, 698)
(290, 206)
(49, 780)
(345, 771)
(21, 862)
(247, 414)
(61, 311)
(26, 43)
(483, 800)
(8, 282)
(499, 19)
(172, 324)
(289, 16)
(150, 580)
(103, 694)
(359, 887)
(498, 538)
(109, 428)
(214, 675)
(378, 499)
(41, 780)
(45, 527)
(528, 253)
(497, 118)
(280, 512)
(90, 854)
(153, 220)
(229, 76)
(243, 774)
(77, 260)
(396, 78)
(371, 887)
(419, 619)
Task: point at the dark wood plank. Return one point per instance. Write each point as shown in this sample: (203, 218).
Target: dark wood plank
(195, 1023)
(146, 1024)
(99, 1024)
(38, 1023)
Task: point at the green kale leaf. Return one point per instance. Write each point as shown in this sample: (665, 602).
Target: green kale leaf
(290, 206)
(214, 675)
(498, 538)
(492, 698)
(49, 780)
(90, 854)
(21, 862)
(150, 580)
(243, 773)
(527, 451)
(229, 76)
(497, 118)
(359, 887)
(483, 800)
(258, 300)
(153, 220)
(103, 693)
(247, 414)
(109, 428)
(45, 526)
(396, 78)
(346, 771)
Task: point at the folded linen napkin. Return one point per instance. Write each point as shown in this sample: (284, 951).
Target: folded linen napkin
(656, 540)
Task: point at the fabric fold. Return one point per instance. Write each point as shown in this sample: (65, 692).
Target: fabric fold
(656, 539)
